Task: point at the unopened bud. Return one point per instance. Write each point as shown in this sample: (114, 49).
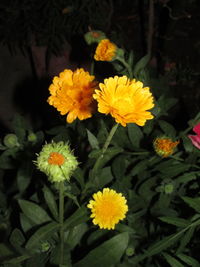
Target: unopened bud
(10, 140)
(32, 137)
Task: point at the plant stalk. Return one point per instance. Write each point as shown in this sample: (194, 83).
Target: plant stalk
(61, 221)
(127, 66)
(106, 144)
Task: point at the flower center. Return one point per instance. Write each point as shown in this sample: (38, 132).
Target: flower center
(56, 158)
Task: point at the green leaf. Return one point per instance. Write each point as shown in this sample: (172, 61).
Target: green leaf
(24, 174)
(19, 126)
(50, 200)
(96, 235)
(41, 235)
(34, 212)
(17, 238)
(186, 177)
(193, 203)
(167, 128)
(135, 134)
(6, 251)
(55, 257)
(79, 216)
(105, 176)
(92, 140)
(107, 254)
(187, 143)
(141, 64)
(172, 261)
(119, 167)
(179, 222)
(25, 222)
(78, 174)
(188, 260)
(75, 235)
(184, 241)
(163, 244)
(17, 260)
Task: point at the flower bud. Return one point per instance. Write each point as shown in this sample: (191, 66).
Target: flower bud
(94, 37)
(57, 161)
(32, 137)
(10, 140)
(130, 251)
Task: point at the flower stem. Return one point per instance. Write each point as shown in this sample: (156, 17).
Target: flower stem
(92, 68)
(127, 66)
(107, 142)
(61, 221)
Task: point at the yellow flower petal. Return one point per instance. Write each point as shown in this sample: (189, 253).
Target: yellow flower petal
(126, 100)
(108, 208)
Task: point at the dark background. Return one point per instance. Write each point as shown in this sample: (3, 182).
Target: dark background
(40, 38)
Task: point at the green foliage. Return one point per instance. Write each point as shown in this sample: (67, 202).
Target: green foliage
(162, 193)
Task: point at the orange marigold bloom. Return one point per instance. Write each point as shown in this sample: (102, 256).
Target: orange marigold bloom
(126, 100)
(72, 92)
(164, 146)
(105, 51)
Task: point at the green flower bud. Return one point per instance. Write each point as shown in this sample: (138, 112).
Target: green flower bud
(11, 140)
(45, 246)
(169, 188)
(32, 137)
(130, 251)
(94, 37)
(57, 161)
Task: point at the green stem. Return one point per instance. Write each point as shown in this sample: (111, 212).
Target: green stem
(61, 221)
(127, 66)
(107, 142)
(92, 68)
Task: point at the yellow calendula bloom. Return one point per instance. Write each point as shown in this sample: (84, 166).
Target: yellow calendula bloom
(105, 51)
(126, 100)
(108, 208)
(71, 92)
(57, 161)
(164, 146)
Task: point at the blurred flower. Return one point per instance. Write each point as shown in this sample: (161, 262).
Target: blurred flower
(11, 140)
(169, 66)
(108, 208)
(71, 93)
(164, 146)
(57, 161)
(126, 100)
(105, 51)
(67, 10)
(196, 138)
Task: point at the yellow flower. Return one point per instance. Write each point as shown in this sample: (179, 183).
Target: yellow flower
(57, 161)
(105, 51)
(71, 93)
(108, 208)
(164, 146)
(126, 100)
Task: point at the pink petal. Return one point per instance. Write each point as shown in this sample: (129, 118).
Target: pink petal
(195, 140)
(196, 129)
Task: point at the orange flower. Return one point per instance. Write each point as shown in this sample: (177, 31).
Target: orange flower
(126, 100)
(105, 51)
(72, 92)
(164, 146)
